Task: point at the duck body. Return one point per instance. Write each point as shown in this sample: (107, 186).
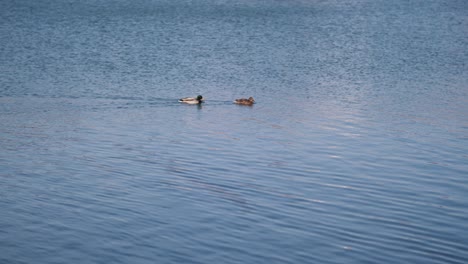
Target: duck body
(192, 100)
(244, 101)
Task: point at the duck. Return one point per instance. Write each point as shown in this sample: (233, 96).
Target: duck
(192, 100)
(243, 101)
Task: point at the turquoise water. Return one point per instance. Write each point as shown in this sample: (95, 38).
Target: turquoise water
(355, 152)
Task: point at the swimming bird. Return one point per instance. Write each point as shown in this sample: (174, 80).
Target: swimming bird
(192, 100)
(243, 101)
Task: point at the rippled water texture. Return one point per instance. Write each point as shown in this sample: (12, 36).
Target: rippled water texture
(355, 152)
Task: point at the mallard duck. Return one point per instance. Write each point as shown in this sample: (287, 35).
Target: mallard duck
(243, 101)
(191, 100)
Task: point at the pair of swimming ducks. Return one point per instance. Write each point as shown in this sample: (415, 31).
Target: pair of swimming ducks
(199, 99)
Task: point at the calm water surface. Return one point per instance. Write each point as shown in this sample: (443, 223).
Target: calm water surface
(356, 151)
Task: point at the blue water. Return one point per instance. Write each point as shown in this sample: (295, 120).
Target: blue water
(355, 152)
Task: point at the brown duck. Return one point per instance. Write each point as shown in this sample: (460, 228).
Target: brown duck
(243, 101)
